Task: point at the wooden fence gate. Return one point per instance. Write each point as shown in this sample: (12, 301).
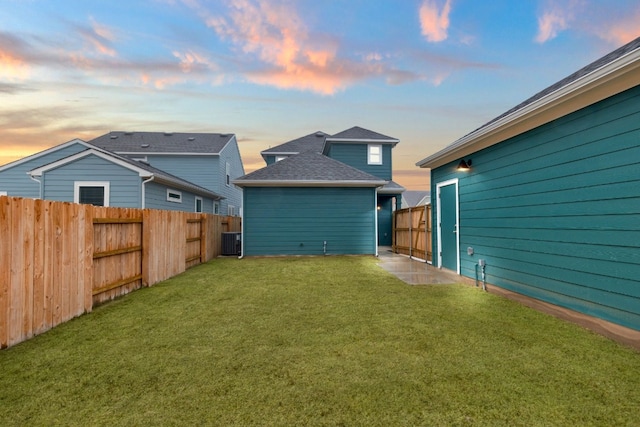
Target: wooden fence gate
(412, 232)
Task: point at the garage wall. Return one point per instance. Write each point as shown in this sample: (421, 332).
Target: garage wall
(555, 212)
(297, 220)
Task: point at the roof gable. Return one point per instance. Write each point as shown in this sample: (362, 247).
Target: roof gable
(143, 170)
(603, 78)
(306, 169)
(44, 152)
(163, 142)
(312, 142)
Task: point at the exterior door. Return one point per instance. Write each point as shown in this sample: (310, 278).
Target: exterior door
(448, 236)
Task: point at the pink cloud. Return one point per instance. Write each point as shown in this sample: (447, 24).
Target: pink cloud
(621, 30)
(434, 21)
(550, 23)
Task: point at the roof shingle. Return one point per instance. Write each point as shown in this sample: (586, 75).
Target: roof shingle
(163, 142)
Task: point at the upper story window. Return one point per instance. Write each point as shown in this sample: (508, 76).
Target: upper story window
(375, 155)
(228, 179)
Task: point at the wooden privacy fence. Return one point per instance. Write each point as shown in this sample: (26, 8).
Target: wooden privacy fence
(412, 232)
(57, 260)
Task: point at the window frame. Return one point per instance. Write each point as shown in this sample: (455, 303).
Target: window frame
(104, 184)
(370, 154)
(196, 200)
(231, 210)
(173, 199)
(216, 207)
(228, 174)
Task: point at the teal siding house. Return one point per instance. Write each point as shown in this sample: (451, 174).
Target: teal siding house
(321, 194)
(544, 200)
(209, 160)
(102, 178)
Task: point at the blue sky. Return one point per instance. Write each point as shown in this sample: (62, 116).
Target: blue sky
(424, 71)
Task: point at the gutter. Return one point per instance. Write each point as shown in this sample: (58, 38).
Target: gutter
(143, 191)
(623, 71)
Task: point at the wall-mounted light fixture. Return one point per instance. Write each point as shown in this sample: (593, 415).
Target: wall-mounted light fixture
(464, 165)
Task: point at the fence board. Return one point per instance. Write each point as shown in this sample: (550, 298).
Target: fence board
(412, 232)
(5, 273)
(48, 273)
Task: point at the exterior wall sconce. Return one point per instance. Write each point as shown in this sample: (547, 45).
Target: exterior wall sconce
(464, 165)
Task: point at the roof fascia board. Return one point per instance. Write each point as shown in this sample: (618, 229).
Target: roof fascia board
(156, 153)
(600, 84)
(192, 188)
(368, 140)
(91, 151)
(302, 183)
(44, 152)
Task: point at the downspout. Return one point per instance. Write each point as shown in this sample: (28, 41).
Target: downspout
(375, 214)
(142, 205)
(410, 233)
(242, 228)
(39, 185)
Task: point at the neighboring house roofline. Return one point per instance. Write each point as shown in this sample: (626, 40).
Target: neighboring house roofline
(45, 152)
(155, 153)
(307, 183)
(583, 88)
(143, 171)
(368, 140)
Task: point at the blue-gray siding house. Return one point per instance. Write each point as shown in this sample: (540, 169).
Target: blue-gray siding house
(209, 160)
(14, 180)
(551, 202)
(309, 204)
(102, 178)
(363, 149)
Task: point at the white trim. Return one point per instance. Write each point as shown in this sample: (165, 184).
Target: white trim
(174, 199)
(105, 184)
(47, 151)
(279, 158)
(195, 207)
(216, 207)
(439, 222)
(371, 146)
(231, 210)
(106, 156)
(310, 183)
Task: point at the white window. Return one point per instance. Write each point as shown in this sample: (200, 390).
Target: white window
(198, 204)
(174, 196)
(228, 180)
(278, 158)
(216, 208)
(3, 193)
(91, 192)
(231, 210)
(375, 155)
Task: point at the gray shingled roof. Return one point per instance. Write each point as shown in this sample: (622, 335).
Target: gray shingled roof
(163, 142)
(309, 167)
(358, 133)
(599, 63)
(312, 142)
(391, 187)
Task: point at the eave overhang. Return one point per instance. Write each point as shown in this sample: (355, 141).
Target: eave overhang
(307, 183)
(609, 80)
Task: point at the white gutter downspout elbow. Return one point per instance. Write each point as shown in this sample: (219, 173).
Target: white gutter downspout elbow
(142, 204)
(39, 185)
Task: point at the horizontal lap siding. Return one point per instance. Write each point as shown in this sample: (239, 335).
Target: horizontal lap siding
(296, 221)
(356, 155)
(124, 183)
(156, 198)
(15, 180)
(556, 212)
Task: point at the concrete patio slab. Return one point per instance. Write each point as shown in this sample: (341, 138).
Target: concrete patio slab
(413, 271)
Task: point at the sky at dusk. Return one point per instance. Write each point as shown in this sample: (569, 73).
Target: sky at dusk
(423, 71)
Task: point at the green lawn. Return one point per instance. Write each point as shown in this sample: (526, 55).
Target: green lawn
(316, 341)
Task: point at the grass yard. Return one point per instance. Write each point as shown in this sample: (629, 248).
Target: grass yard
(316, 341)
